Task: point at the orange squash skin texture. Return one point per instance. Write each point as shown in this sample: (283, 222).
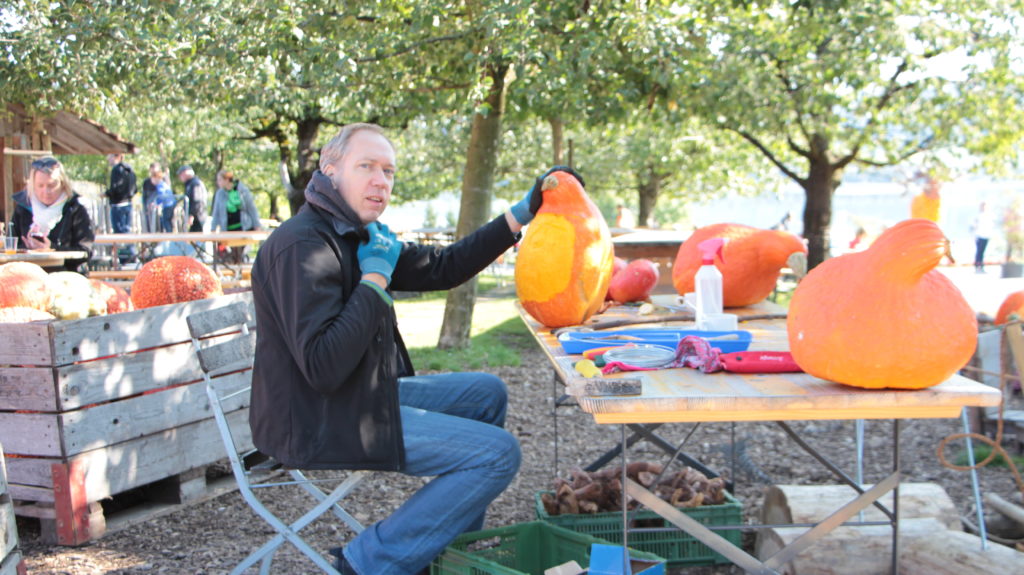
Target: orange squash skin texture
(883, 318)
(174, 279)
(753, 259)
(565, 261)
(1013, 304)
(23, 284)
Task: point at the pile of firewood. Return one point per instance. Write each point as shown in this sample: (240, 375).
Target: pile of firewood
(601, 491)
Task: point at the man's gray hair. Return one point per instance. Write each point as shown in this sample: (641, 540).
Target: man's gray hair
(335, 150)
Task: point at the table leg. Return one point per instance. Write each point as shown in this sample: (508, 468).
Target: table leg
(895, 568)
(554, 415)
(625, 506)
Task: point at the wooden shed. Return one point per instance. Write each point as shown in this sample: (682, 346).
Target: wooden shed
(25, 136)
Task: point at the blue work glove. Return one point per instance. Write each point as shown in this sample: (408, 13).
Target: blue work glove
(524, 210)
(379, 254)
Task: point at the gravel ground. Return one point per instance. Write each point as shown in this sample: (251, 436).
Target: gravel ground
(212, 537)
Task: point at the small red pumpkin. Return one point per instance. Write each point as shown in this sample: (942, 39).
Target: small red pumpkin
(117, 298)
(23, 284)
(618, 266)
(635, 282)
(1012, 305)
(174, 279)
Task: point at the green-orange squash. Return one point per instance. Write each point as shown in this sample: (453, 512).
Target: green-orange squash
(565, 261)
(174, 279)
(752, 258)
(116, 299)
(884, 317)
(1013, 304)
(23, 284)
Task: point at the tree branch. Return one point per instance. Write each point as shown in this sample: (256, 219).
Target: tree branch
(768, 154)
(916, 149)
(414, 45)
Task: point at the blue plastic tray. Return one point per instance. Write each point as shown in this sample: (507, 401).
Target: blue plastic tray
(577, 342)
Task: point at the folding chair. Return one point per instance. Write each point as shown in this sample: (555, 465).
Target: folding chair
(224, 345)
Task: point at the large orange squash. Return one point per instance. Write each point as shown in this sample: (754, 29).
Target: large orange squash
(884, 317)
(753, 258)
(23, 284)
(565, 261)
(174, 279)
(1013, 304)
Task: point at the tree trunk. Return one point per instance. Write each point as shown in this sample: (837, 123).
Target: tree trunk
(475, 206)
(556, 141)
(819, 187)
(306, 130)
(649, 187)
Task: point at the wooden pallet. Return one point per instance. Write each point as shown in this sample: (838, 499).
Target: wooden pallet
(95, 407)
(11, 562)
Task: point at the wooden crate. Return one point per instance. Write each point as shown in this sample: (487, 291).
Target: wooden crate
(94, 407)
(10, 556)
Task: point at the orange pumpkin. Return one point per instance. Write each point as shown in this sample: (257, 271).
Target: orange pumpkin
(23, 315)
(1013, 304)
(116, 298)
(635, 282)
(23, 284)
(174, 279)
(752, 260)
(565, 261)
(884, 317)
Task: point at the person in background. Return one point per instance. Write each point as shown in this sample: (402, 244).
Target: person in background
(163, 199)
(150, 211)
(859, 241)
(234, 210)
(624, 217)
(195, 191)
(984, 226)
(48, 215)
(120, 192)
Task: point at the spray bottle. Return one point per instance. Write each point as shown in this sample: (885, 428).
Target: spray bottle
(708, 282)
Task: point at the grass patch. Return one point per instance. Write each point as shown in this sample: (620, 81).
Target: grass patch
(498, 346)
(981, 451)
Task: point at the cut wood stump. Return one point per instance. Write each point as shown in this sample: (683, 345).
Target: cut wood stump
(813, 503)
(864, 550)
(958, 553)
(103, 405)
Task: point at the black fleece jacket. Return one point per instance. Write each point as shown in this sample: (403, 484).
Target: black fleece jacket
(328, 352)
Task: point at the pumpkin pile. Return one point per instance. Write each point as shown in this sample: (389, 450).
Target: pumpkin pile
(1012, 306)
(174, 279)
(601, 491)
(28, 293)
(634, 282)
(565, 261)
(884, 317)
(23, 284)
(750, 262)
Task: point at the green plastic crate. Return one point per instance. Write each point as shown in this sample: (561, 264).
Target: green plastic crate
(678, 547)
(524, 548)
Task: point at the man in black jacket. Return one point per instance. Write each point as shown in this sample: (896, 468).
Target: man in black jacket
(123, 186)
(333, 386)
(195, 191)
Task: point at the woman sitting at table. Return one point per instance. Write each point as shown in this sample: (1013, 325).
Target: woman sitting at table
(48, 215)
(234, 210)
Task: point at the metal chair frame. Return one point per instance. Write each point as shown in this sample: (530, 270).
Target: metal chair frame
(224, 344)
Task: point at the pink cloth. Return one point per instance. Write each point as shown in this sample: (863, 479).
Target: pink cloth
(692, 351)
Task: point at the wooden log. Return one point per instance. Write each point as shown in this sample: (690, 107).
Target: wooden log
(1010, 510)
(847, 550)
(956, 553)
(813, 503)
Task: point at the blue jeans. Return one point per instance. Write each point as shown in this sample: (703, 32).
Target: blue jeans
(452, 427)
(121, 221)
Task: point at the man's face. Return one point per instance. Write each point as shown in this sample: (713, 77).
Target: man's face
(184, 176)
(365, 175)
(47, 188)
(113, 159)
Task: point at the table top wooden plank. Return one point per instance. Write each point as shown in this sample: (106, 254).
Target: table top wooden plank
(43, 258)
(250, 237)
(687, 395)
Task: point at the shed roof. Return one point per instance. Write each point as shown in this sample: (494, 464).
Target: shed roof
(69, 133)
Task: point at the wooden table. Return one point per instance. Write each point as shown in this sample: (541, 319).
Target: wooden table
(196, 239)
(41, 258)
(685, 395)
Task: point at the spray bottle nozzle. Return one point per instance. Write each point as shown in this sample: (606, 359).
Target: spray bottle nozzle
(710, 248)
